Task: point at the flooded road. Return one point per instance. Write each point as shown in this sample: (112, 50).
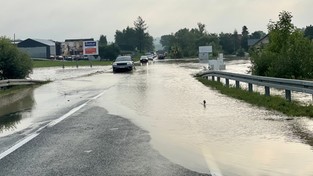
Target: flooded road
(227, 137)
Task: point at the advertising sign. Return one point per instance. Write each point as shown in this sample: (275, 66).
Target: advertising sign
(91, 48)
(205, 49)
(72, 48)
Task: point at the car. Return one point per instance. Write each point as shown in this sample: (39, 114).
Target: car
(60, 57)
(144, 59)
(161, 56)
(150, 57)
(123, 63)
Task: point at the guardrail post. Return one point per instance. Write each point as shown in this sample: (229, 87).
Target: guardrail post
(227, 83)
(267, 91)
(218, 79)
(250, 87)
(288, 95)
(237, 84)
(213, 78)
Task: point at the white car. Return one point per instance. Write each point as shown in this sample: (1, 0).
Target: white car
(123, 63)
(144, 59)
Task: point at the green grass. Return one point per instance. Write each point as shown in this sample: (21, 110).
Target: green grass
(276, 103)
(57, 63)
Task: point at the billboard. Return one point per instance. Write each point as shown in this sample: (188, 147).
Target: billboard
(72, 48)
(205, 49)
(90, 48)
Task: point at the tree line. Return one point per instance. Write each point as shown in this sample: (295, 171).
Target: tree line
(185, 42)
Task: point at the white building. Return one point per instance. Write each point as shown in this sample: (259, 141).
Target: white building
(217, 64)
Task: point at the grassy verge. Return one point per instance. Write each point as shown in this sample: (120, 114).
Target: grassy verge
(276, 103)
(56, 63)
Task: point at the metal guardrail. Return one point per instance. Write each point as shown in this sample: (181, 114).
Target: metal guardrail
(268, 82)
(18, 82)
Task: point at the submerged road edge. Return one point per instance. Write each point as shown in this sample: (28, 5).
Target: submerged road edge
(51, 124)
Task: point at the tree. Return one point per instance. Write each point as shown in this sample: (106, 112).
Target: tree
(201, 28)
(140, 27)
(236, 40)
(288, 55)
(308, 32)
(109, 52)
(132, 39)
(14, 64)
(103, 40)
(244, 39)
(227, 43)
(126, 39)
(167, 41)
(257, 35)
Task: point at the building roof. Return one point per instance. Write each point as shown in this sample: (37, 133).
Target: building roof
(75, 40)
(45, 42)
(262, 40)
(252, 41)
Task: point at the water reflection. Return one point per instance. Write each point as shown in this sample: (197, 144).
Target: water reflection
(9, 121)
(12, 108)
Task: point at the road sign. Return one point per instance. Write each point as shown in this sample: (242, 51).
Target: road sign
(205, 49)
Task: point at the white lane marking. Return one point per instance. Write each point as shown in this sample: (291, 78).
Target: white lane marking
(54, 122)
(51, 124)
(18, 145)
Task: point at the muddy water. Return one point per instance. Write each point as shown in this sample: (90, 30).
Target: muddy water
(227, 137)
(29, 109)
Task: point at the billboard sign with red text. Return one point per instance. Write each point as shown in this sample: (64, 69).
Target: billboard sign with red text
(90, 48)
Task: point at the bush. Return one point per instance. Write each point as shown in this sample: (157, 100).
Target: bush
(109, 52)
(241, 52)
(14, 64)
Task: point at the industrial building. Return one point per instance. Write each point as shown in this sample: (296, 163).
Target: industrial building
(39, 48)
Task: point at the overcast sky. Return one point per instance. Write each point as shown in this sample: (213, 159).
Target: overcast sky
(66, 19)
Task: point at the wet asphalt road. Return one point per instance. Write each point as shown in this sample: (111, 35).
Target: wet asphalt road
(90, 142)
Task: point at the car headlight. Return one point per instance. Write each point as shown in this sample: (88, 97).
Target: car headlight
(114, 64)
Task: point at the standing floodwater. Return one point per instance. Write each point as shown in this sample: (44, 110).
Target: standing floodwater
(224, 137)
(227, 137)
